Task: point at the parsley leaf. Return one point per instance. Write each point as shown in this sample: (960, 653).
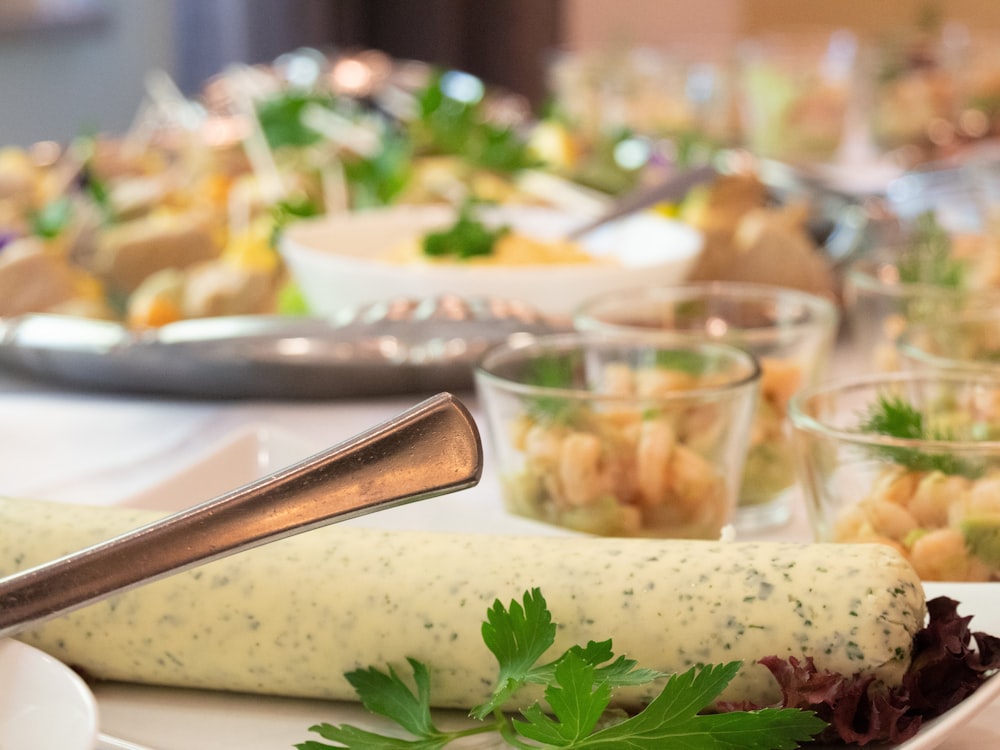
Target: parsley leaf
(466, 238)
(518, 637)
(578, 699)
(387, 695)
(579, 687)
(672, 718)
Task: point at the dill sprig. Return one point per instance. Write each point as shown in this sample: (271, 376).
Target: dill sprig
(895, 417)
(554, 370)
(928, 259)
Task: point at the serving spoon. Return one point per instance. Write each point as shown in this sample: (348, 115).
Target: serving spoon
(431, 449)
(672, 189)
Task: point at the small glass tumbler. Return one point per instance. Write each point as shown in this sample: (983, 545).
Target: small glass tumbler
(908, 459)
(619, 437)
(880, 305)
(795, 93)
(791, 333)
(968, 342)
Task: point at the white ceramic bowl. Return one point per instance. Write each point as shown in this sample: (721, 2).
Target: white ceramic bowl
(44, 705)
(340, 261)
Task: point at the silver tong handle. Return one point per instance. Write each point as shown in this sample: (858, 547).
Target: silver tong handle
(431, 449)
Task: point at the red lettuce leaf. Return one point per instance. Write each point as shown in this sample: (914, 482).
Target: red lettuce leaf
(949, 662)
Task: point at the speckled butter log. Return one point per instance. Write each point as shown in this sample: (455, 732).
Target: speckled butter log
(290, 618)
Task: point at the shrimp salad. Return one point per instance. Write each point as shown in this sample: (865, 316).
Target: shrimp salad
(769, 466)
(651, 463)
(948, 526)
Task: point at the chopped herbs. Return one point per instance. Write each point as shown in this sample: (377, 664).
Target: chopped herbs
(579, 687)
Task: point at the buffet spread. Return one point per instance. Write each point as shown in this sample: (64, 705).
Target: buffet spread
(250, 275)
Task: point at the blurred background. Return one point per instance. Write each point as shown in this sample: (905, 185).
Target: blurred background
(71, 65)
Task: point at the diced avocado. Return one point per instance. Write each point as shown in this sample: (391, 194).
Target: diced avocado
(768, 471)
(982, 536)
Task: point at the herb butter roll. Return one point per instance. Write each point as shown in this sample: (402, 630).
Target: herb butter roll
(292, 617)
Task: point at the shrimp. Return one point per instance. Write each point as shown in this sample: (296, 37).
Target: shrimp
(890, 520)
(654, 381)
(941, 555)
(542, 445)
(895, 485)
(779, 379)
(983, 497)
(931, 502)
(855, 526)
(696, 489)
(581, 474)
(618, 379)
(657, 441)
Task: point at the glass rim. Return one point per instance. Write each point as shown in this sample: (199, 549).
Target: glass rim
(907, 347)
(822, 311)
(861, 274)
(578, 340)
(802, 420)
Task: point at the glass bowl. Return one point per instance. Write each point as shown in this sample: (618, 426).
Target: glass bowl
(968, 341)
(880, 304)
(791, 333)
(795, 93)
(908, 459)
(619, 437)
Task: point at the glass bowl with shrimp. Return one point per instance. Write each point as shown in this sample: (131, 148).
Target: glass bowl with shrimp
(790, 332)
(617, 436)
(907, 459)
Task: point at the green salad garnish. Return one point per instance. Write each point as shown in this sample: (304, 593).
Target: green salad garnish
(453, 124)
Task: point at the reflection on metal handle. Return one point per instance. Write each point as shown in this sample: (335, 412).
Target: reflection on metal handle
(429, 450)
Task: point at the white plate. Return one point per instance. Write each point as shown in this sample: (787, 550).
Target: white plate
(170, 719)
(44, 705)
(212, 448)
(982, 601)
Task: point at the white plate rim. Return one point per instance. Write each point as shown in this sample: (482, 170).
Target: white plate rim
(15, 654)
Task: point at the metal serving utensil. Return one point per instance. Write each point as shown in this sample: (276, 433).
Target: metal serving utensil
(672, 189)
(431, 449)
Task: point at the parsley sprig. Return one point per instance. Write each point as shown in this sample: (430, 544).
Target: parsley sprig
(579, 687)
(893, 416)
(467, 238)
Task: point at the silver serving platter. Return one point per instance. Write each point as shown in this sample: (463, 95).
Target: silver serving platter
(396, 347)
